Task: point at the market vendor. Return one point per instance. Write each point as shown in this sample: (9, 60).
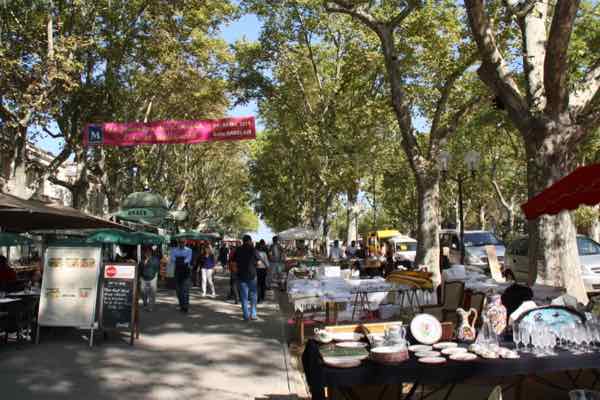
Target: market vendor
(7, 274)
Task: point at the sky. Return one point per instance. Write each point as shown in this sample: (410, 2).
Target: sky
(247, 27)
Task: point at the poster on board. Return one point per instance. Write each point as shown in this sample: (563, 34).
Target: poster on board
(70, 287)
(119, 286)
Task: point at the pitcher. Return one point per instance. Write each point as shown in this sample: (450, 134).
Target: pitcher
(466, 327)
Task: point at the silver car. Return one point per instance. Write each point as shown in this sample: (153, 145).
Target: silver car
(475, 243)
(517, 260)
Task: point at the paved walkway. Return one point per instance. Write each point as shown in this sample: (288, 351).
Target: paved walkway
(211, 353)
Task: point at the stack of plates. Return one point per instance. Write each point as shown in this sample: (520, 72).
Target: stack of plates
(389, 354)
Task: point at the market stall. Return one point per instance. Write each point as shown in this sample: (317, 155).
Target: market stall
(328, 293)
(551, 339)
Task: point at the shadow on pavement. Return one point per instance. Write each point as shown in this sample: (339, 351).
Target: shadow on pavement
(209, 353)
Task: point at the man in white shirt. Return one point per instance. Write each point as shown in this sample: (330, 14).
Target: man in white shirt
(351, 250)
(335, 253)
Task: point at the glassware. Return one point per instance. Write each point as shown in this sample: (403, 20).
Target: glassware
(517, 336)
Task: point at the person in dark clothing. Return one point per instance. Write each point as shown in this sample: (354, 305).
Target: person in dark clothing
(234, 290)
(246, 260)
(223, 255)
(262, 269)
(181, 258)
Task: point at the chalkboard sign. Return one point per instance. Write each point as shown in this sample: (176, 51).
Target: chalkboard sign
(119, 297)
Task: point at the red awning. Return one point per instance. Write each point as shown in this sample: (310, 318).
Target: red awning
(581, 187)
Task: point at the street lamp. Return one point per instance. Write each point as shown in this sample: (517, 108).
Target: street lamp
(471, 159)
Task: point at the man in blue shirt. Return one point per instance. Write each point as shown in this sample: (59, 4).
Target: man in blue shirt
(181, 258)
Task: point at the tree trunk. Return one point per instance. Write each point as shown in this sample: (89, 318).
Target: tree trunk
(556, 258)
(428, 241)
(482, 215)
(352, 216)
(594, 232)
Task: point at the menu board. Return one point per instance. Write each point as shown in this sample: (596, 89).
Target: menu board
(69, 286)
(118, 296)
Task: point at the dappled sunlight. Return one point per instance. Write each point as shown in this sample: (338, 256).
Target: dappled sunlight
(211, 353)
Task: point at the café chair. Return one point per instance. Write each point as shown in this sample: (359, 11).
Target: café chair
(452, 298)
(16, 321)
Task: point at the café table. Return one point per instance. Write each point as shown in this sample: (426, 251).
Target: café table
(445, 376)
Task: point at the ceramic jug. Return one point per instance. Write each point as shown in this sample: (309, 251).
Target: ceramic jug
(495, 312)
(466, 326)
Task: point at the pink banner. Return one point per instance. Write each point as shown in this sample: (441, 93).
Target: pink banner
(168, 132)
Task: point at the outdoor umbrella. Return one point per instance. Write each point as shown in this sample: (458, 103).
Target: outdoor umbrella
(192, 235)
(114, 236)
(298, 233)
(148, 238)
(19, 215)
(582, 186)
(12, 239)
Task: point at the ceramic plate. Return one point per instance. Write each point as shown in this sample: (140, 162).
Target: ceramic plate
(343, 362)
(419, 347)
(432, 360)
(351, 345)
(347, 336)
(453, 350)
(444, 345)
(463, 357)
(421, 354)
(387, 349)
(426, 328)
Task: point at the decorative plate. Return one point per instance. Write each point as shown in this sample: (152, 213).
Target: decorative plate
(347, 336)
(453, 350)
(463, 357)
(444, 345)
(342, 362)
(432, 360)
(419, 347)
(421, 354)
(426, 328)
(351, 345)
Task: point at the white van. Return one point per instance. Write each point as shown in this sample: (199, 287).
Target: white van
(405, 248)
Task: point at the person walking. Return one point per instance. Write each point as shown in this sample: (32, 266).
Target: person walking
(262, 268)
(207, 269)
(276, 259)
(149, 267)
(181, 258)
(223, 256)
(246, 260)
(234, 290)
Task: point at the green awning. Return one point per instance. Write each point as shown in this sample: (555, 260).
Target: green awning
(113, 236)
(13, 239)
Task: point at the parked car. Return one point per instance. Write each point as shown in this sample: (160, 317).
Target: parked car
(517, 260)
(405, 249)
(475, 242)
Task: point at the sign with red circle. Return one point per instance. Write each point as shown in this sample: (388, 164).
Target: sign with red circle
(111, 271)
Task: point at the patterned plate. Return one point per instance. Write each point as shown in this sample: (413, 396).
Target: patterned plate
(426, 329)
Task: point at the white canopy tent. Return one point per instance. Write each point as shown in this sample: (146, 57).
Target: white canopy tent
(298, 233)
